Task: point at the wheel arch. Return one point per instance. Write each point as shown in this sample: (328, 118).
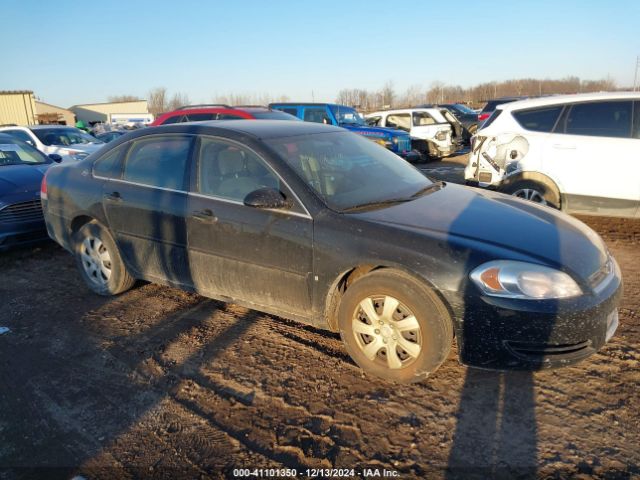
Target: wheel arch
(346, 278)
(533, 176)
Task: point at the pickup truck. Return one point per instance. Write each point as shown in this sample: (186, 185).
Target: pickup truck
(398, 141)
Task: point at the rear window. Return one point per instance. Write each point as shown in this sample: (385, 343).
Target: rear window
(538, 119)
(492, 118)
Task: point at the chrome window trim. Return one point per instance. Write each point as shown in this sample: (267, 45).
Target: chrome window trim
(241, 145)
(193, 194)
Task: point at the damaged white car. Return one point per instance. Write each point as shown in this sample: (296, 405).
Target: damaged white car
(433, 135)
(578, 153)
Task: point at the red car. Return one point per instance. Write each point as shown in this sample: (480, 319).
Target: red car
(200, 113)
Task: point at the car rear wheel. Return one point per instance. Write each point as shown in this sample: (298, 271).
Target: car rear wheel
(536, 192)
(99, 261)
(394, 327)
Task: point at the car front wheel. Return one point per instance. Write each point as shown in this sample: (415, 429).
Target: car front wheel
(99, 261)
(394, 327)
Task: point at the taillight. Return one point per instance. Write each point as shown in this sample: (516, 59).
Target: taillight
(483, 116)
(43, 188)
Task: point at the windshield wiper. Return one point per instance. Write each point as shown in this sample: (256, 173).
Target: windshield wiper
(378, 203)
(432, 187)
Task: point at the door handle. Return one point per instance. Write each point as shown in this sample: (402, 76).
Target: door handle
(113, 197)
(563, 146)
(205, 215)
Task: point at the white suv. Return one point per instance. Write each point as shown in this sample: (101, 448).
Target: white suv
(431, 134)
(69, 142)
(579, 153)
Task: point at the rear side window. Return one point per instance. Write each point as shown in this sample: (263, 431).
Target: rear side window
(200, 117)
(228, 116)
(422, 118)
(316, 115)
(109, 165)
(159, 161)
(290, 110)
(600, 119)
(538, 119)
(492, 118)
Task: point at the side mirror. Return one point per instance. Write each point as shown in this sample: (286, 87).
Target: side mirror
(266, 198)
(55, 157)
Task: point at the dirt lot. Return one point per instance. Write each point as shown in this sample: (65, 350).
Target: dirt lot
(161, 383)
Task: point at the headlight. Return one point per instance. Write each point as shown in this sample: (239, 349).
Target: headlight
(383, 142)
(395, 140)
(511, 279)
(441, 135)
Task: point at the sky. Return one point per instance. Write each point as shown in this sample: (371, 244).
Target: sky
(72, 52)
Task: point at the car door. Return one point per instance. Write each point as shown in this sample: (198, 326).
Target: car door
(145, 207)
(594, 158)
(253, 255)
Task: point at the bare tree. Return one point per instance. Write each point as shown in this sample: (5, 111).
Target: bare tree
(157, 101)
(178, 100)
(122, 98)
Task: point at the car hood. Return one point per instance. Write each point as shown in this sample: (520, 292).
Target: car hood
(21, 178)
(375, 131)
(465, 214)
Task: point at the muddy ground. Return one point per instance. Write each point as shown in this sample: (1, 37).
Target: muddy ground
(165, 384)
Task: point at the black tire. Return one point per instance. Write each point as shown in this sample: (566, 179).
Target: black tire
(91, 241)
(539, 192)
(433, 337)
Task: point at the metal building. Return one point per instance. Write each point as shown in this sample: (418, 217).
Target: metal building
(17, 107)
(113, 112)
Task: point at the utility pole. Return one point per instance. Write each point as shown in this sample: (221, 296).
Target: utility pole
(635, 76)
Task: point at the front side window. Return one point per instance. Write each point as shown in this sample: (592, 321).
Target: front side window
(109, 165)
(159, 161)
(399, 120)
(174, 119)
(64, 137)
(421, 119)
(636, 120)
(349, 171)
(229, 171)
(538, 119)
(600, 119)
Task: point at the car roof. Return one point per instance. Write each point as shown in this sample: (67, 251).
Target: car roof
(40, 127)
(262, 129)
(405, 110)
(576, 97)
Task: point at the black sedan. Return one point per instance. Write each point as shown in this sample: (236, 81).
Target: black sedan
(317, 224)
(21, 170)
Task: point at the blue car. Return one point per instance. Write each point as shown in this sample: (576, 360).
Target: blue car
(398, 141)
(22, 168)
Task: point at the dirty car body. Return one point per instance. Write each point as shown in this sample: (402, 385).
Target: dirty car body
(347, 211)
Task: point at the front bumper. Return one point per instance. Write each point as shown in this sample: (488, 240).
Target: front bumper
(22, 236)
(509, 334)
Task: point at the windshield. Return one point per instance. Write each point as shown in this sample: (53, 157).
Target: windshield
(19, 153)
(64, 136)
(347, 115)
(348, 171)
(463, 109)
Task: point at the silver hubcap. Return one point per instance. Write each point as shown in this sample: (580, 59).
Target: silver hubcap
(531, 195)
(387, 332)
(96, 260)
